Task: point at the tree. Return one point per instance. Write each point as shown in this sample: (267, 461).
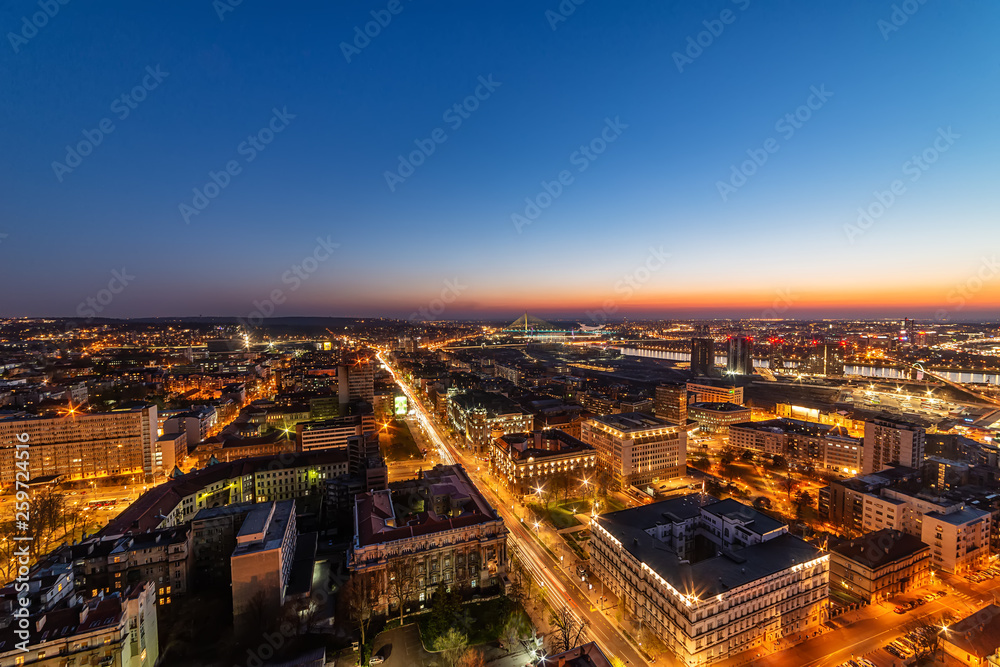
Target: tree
(778, 462)
(803, 505)
(520, 581)
(401, 578)
(747, 455)
(451, 645)
(701, 461)
(514, 629)
(472, 657)
(444, 612)
(567, 629)
(728, 456)
(359, 599)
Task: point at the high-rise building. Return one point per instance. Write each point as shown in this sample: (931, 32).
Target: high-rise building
(739, 359)
(83, 445)
(702, 356)
(671, 402)
(889, 440)
(262, 561)
(636, 448)
(356, 381)
(327, 433)
(826, 359)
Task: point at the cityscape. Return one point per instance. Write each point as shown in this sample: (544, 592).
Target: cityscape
(559, 334)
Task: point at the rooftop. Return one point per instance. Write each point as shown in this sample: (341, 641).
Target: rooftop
(880, 548)
(633, 422)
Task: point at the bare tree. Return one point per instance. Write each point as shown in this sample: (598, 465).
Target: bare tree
(401, 576)
(567, 630)
(359, 599)
(472, 657)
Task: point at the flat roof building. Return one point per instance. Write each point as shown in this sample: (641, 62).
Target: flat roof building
(636, 448)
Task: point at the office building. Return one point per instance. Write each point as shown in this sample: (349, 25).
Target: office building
(739, 355)
(707, 391)
(332, 433)
(356, 381)
(525, 462)
(83, 445)
(671, 402)
(889, 440)
(702, 356)
(479, 415)
(434, 533)
(262, 561)
(716, 418)
(880, 565)
(826, 359)
(636, 448)
(710, 578)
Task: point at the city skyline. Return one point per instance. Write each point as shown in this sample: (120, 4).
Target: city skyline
(875, 201)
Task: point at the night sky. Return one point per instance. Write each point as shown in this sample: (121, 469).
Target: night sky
(628, 158)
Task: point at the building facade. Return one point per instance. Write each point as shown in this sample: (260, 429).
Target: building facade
(711, 579)
(636, 448)
(889, 440)
(880, 565)
(716, 418)
(434, 533)
(478, 415)
(525, 462)
(671, 403)
(83, 445)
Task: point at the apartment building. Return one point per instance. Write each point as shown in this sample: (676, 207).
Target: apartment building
(704, 391)
(670, 402)
(118, 630)
(83, 445)
(636, 448)
(716, 418)
(889, 440)
(710, 578)
(820, 445)
(959, 540)
(879, 565)
(262, 561)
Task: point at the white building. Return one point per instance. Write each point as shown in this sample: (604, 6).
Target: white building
(636, 448)
(710, 578)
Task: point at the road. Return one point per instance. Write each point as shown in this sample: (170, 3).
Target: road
(563, 590)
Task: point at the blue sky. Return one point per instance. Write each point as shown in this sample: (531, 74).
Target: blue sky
(790, 229)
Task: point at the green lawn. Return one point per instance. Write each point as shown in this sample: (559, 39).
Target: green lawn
(482, 622)
(557, 515)
(397, 442)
